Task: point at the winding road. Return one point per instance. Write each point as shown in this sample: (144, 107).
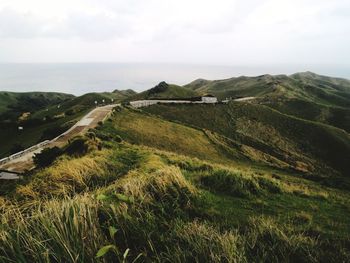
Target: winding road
(10, 168)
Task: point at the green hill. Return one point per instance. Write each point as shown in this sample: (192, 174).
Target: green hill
(165, 91)
(153, 201)
(266, 180)
(307, 86)
(13, 103)
(124, 94)
(50, 115)
(267, 133)
(303, 95)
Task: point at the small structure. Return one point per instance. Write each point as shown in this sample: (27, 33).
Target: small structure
(193, 100)
(9, 175)
(208, 98)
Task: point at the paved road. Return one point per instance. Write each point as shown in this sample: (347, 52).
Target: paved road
(245, 98)
(90, 120)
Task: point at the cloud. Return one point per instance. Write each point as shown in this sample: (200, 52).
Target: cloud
(193, 31)
(99, 27)
(91, 27)
(15, 25)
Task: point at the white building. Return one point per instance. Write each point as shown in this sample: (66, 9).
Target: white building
(209, 99)
(146, 103)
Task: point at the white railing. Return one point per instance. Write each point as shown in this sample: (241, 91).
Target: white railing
(21, 153)
(44, 143)
(146, 103)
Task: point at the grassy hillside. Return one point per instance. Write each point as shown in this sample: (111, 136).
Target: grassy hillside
(305, 146)
(46, 122)
(335, 116)
(236, 87)
(137, 204)
(13, 103)
(165, 91)
(306, 86)
(139, 128)
(304, 95)
(124, 94)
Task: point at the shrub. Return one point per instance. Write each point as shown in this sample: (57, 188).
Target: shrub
(302, 218)
(271, 185)
(266, 241)
(118, 139)
(52, 132)
(69, 112)
(46, 156)
(238, 184)
(231, 183)
(77, 147)
(91, 135)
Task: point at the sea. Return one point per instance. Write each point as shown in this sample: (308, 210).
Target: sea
(81, 78)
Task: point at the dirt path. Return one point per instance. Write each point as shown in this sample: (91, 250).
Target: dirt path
(90, 120)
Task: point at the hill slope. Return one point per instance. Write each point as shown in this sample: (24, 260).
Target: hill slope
(304, 95)
(124, 94)
(50, 115)
(123, 202)
(13, 103)
(303, 145)
(165, 91)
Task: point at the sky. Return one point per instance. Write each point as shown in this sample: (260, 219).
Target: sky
(210, 32)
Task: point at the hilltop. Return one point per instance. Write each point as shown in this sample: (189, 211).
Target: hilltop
(304, 95)
(308, 86)
(165, 91)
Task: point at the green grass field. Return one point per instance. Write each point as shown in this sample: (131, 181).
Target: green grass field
(139, 204)
(310, 146)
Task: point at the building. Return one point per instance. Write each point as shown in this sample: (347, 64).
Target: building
(209, 99)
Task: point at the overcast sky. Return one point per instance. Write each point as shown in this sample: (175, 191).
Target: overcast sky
(218, 32)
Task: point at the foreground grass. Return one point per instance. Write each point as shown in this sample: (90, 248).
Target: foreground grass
(134, 204)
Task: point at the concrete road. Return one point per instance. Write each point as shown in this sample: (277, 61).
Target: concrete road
(90, 120)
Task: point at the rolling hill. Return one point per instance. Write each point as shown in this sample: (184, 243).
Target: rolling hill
(124, 94)
(165, 91)
(264, 180)
(307, 86)
(305, 95)
(151, 190)
(43, 115)
(13, 103)
(266, 133)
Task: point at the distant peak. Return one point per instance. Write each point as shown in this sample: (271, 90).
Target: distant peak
(305, 73)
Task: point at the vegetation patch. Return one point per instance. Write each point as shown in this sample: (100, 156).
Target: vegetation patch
(237, 184)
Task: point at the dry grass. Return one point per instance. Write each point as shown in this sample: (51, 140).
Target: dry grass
(207, 244)
(66, 177)
(55, 230)
(300, 189)
(165, 135)
(151, 208)
(154, 181)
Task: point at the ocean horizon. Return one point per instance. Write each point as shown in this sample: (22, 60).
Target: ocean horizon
(81, 78)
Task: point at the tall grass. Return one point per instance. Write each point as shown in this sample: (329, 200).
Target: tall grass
(140, 206)
(57, 231)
